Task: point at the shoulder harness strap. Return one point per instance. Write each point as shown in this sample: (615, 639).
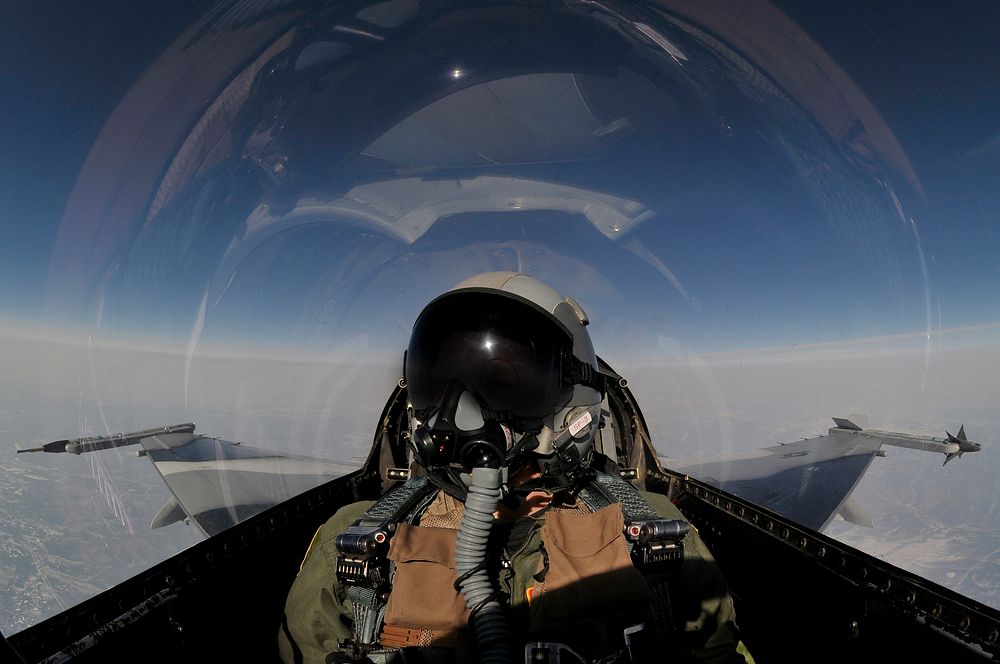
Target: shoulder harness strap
(606, 489)
(368, 577)
(403, 503)
(659, 562)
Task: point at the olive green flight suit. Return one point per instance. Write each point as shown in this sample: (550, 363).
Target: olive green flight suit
(318, 613)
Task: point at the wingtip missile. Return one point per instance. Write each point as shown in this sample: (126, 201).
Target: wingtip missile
(55, 447)
(962, 442)
(950, 446)
(95, 443)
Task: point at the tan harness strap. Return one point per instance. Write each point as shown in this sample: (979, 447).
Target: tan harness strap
(404, 637)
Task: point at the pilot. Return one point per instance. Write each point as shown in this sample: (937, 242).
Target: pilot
(514, 540)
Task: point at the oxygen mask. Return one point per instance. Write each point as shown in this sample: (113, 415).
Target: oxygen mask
(458, 436)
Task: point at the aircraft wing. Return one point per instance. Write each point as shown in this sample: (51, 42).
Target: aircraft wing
(811, 480)
(215, 483)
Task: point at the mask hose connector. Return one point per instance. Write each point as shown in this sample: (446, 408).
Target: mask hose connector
(470, 562)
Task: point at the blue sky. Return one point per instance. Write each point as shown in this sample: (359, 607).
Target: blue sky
(759, 263)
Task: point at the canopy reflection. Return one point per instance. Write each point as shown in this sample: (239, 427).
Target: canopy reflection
(268, 207)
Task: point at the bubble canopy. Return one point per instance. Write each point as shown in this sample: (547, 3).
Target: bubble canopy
(285, 186)
(634, 161)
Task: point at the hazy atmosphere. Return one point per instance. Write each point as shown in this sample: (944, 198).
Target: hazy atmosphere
(941, 522)
(72, 526)
(76, 525)
(213, 213)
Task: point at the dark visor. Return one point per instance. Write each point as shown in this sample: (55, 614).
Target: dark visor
(505, 351)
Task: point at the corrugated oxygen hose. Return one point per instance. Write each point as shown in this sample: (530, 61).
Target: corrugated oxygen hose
(470, 558)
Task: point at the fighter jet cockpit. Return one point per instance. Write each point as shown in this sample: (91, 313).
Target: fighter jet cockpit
(776, 222)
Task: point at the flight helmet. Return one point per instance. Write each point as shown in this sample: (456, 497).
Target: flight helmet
(499, 369)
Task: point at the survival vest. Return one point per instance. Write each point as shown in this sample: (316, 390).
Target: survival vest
(615, 557)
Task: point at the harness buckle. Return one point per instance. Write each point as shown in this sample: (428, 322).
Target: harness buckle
(350, 653)
(639, 643)
(656, 541)
(362, 560)
(541, 652)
